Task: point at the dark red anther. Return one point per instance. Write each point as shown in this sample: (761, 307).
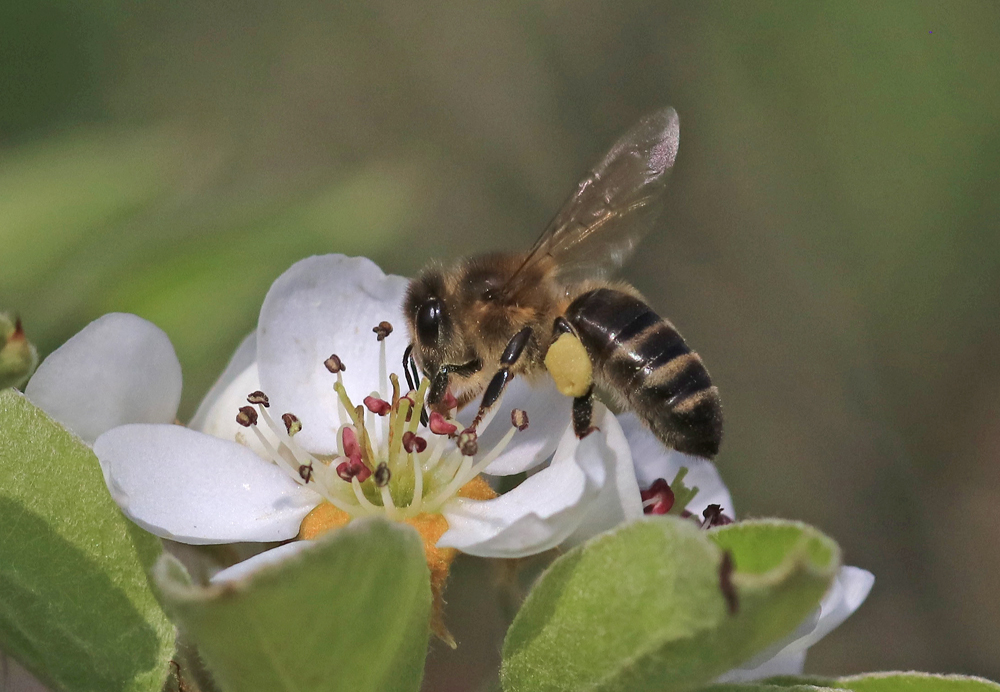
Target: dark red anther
(247, 416)
(293, 425)
(383, 330)
(334, 364)
(714, 517)
(519, 419)
(661, 492)
(413, 442)
(306, 472)
(259, 397)
(353, 468)
(377, 406)
(449, 401)
(352, 448)
(468, 442)
(439, 426)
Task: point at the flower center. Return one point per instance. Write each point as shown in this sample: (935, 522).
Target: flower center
(388, 461)
(392, 460)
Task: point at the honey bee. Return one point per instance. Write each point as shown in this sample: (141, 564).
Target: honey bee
(478, 323)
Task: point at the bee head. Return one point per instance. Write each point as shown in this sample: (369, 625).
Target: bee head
(460, 318)
(430, 320)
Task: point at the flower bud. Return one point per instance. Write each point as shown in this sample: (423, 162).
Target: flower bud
(18, 356)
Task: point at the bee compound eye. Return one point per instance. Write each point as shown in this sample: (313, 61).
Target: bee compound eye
(429, 321)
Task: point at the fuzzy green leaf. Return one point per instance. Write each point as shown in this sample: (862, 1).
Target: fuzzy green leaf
(645, 607)
(916, 682)
(764, 687)
(350, 613)
(75, 605)
(799, 680)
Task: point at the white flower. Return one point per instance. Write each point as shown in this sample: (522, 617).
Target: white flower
(117, 384)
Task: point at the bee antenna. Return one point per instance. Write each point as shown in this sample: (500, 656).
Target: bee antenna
(407, 361)
(410, 366)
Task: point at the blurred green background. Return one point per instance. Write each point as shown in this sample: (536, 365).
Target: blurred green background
(831, 246)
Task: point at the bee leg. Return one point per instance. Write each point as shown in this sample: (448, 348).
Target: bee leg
(572, 370)
(583, 409)
(439, 386)
(513, 351)
(568, 362)
(562, 326)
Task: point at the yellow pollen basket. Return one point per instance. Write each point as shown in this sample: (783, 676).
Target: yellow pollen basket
(568, 363)
(431, 527)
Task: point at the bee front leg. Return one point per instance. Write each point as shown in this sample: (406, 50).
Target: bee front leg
(511, 354)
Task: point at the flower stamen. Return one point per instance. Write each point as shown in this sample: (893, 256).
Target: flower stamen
(658, 498)
(258, 397)
(390, 467)
(413, 442)
(439, 426)
(380, 407)
(418, 487)
(360, 495)
(292, 424)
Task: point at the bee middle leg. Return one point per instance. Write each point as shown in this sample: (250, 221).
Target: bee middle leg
(511, 354)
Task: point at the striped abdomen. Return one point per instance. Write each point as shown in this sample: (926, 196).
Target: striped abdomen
(640, 355)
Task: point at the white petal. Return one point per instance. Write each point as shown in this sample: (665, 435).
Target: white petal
(220, 419)
(618, 501)
(785, 663)
(321, 306)
(244, 569)
(548, 417)
(194, 488)
(653, 460)
(538, 514)
(118, 369)
(243, 358)
(846, 594)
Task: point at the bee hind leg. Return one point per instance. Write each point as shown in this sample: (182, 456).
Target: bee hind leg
(570, 367)
(583, 411)
(511, 354)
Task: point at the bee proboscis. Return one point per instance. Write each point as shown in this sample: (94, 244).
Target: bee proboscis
(481, 321)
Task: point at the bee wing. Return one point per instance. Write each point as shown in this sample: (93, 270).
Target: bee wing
(613, 207)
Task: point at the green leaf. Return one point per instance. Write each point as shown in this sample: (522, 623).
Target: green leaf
(916, 682)
(644, 608)
(799, 680)
(871, 682)
(764, 687)
(351, 613)
(75, 605)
